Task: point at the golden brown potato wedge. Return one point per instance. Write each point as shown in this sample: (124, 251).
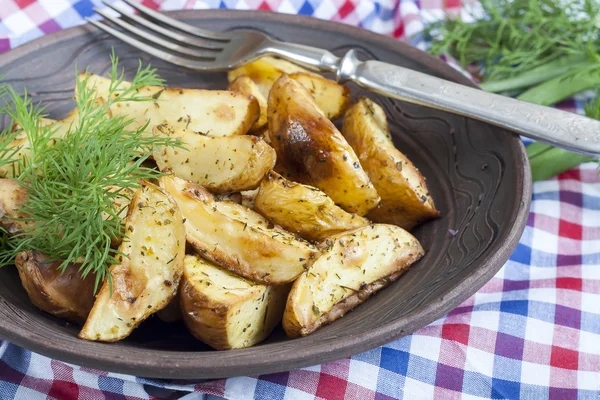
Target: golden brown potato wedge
(303, 209)
(64, 294)
(246, 86)
(226, 311)
(405, 200)
(331, 97)
(148, 276)
(210, 112)
(220, 164)
(352, 266)
(265, 71)
(12, 196)
(311, 148)
(237, 238)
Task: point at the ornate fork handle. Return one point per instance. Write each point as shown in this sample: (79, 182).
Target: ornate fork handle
(553, 126)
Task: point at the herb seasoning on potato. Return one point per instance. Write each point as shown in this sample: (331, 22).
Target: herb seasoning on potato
(312, 151)
(285, 220)
(405, 199)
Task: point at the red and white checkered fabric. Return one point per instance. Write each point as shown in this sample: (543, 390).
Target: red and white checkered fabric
(532, 332)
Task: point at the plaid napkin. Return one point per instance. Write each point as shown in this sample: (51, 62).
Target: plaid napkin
(532, 332)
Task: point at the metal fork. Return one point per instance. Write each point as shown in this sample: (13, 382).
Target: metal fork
(204, 50)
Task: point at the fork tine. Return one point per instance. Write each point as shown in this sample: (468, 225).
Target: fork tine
(210, 55)
(203, 33)
(189, 40)
(163, 55)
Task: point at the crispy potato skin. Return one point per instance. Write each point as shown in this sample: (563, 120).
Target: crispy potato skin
(303, 209)
(63, 294)
(211, 112)
(246, 86)
(237, 238)
(12, 196)
(405, 199)
(226, 311)
(330, 96)
(353, 265)
(313, 151)
(294, 328)
(148, 277)
(221, 164)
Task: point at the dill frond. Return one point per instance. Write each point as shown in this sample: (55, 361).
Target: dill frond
(520, 35)
(73, 182)
(592, 108)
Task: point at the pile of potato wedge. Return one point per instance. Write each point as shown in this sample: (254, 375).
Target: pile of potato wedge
(268, 214)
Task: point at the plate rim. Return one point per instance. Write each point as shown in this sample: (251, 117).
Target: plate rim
(189, 366)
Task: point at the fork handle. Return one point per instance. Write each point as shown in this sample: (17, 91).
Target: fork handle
(553, 126)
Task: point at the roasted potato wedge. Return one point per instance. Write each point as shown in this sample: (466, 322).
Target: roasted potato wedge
(220, 164)
(12, 196)
(148, 276)
(405, 200)
(303, 209)
(246, 86)
(331, 97)
(64, 294)
(265, 71)
(237, 238)
(352, 266)
(311, 148)
(210, 112)
(226, 311)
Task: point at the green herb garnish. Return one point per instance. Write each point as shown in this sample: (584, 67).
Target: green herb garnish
(73, 181)
(542, 38)
(592, 108)
(541, 51)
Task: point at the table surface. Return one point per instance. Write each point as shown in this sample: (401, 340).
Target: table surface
(532, 332)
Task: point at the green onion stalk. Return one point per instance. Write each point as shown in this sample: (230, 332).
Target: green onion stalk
(540, 51)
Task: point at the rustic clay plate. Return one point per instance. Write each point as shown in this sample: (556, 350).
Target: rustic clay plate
(477, 174)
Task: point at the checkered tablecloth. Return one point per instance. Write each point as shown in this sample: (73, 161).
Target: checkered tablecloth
(532, 332)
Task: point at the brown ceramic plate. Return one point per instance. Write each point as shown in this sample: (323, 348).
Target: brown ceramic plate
(477, 174)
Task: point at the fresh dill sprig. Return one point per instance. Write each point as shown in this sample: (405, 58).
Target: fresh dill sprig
(7, 153)
(73, 184)
(5, 243)
(516, 36)
(544, 51)
(592, 108)
(26, 122)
